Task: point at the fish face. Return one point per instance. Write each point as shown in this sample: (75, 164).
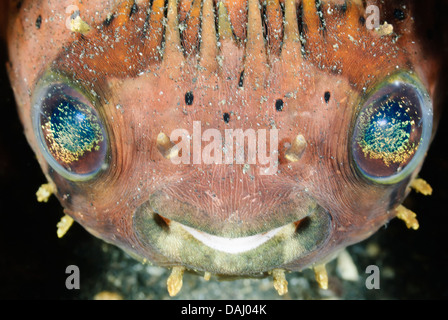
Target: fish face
(226, 137)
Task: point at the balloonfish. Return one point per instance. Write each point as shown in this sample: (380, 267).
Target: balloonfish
(231, 138)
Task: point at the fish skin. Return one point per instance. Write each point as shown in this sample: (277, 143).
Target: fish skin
(106, 205)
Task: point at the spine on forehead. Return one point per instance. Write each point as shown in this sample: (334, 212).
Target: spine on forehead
(141, 35)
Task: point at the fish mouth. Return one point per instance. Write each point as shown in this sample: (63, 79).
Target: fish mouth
(252, 255)
(231, 245)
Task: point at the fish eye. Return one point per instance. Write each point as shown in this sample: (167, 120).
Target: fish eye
(69, 131)
(392, 130)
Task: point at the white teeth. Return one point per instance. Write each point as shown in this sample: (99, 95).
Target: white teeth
(232, 245)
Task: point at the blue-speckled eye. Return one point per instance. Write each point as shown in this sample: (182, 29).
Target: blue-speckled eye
(393, 130)
(71, 135)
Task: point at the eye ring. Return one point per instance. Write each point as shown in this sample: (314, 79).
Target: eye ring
(392, 130)
(70, 134)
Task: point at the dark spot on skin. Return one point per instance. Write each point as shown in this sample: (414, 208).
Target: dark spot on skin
(189, 97)
(226, 117)
(38, 21)
(134, 9)
(241, 80)
(398, 14)
(108, 20)
(327, 96)
(19, 4)
(279, 105)
(362, 21)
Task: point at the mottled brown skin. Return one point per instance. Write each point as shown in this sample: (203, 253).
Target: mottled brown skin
(150, 84)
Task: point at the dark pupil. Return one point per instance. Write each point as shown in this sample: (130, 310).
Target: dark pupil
(73, 135)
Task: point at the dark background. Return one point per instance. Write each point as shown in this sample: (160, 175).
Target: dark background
(413, 264)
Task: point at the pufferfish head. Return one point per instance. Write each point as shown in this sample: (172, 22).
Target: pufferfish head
(237, 138)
